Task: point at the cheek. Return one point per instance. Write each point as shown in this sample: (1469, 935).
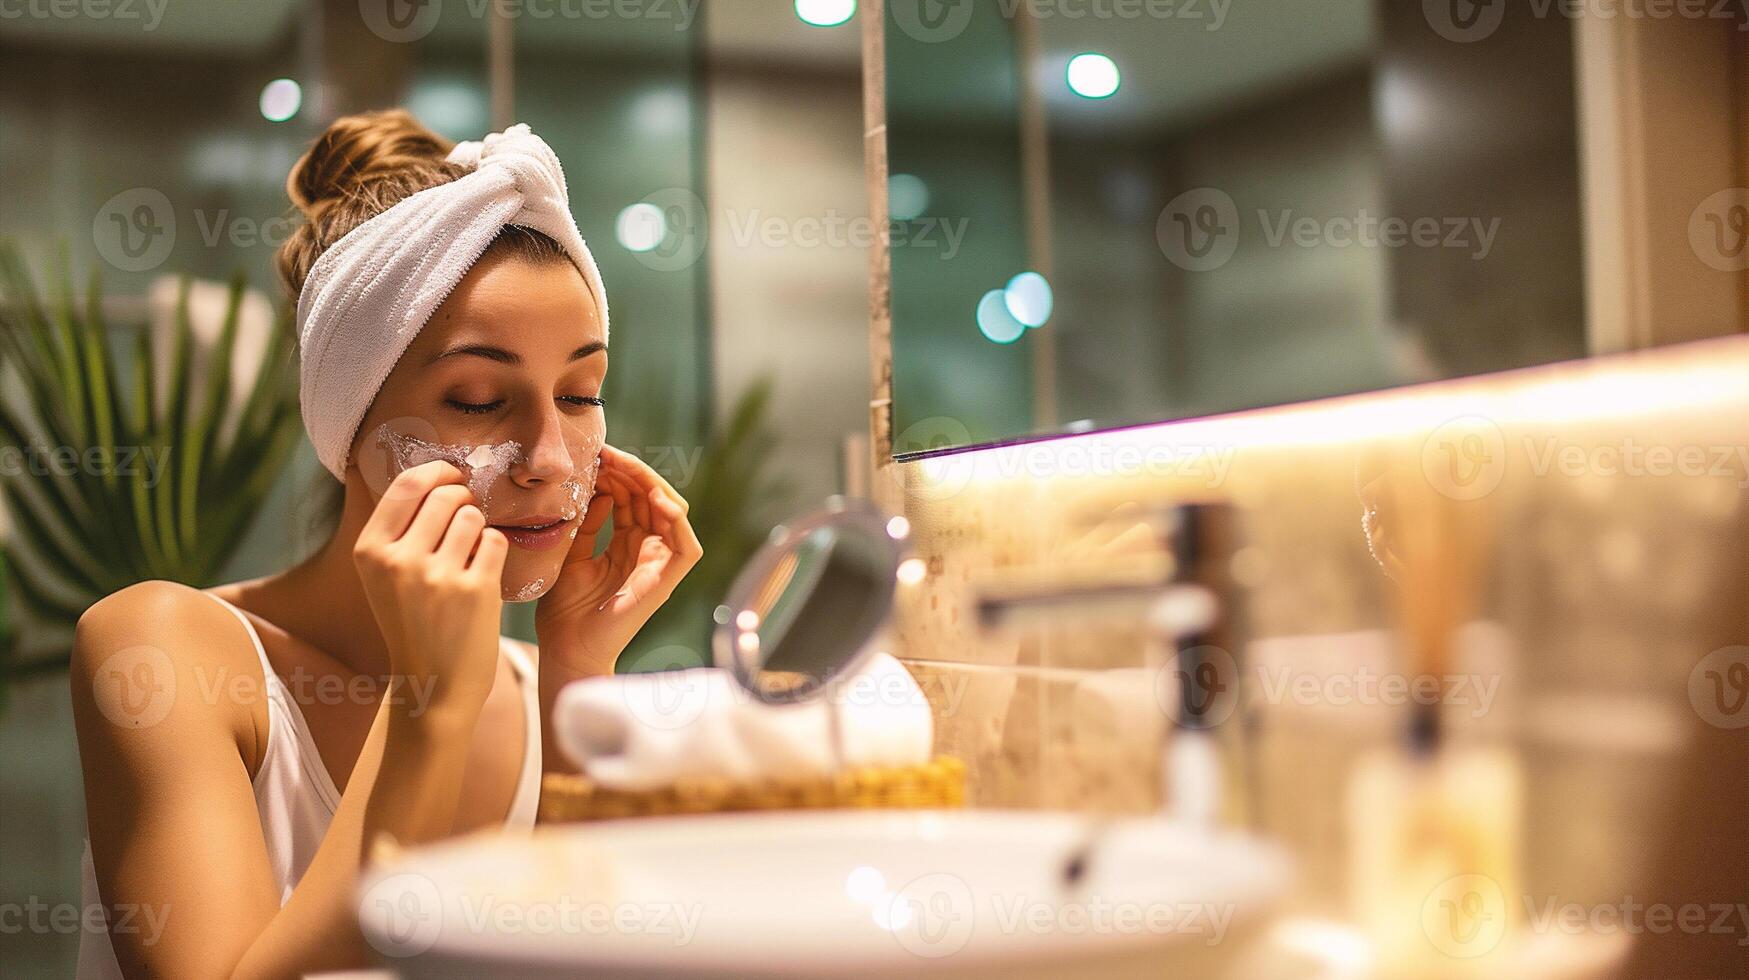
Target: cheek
(585, 448)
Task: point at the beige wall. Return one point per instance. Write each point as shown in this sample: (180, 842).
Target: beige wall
(789, 298)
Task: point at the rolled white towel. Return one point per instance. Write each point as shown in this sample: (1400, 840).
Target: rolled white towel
(644, 731)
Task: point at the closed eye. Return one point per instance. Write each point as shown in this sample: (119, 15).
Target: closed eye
(473, 408)
(593, 400)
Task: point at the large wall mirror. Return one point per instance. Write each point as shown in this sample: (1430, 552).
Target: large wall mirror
(1111, 212)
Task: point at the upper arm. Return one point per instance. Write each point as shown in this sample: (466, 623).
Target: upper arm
(162, 700)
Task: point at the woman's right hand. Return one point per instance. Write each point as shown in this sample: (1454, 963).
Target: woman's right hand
(431, 569)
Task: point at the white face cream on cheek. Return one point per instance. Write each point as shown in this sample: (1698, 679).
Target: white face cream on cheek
(483, 465)
(580, 488)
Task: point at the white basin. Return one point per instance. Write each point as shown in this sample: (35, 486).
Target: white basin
(833, 893)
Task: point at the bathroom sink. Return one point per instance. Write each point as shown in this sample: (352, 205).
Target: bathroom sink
(833, 893)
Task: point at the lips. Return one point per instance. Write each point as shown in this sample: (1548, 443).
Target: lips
(537, 533)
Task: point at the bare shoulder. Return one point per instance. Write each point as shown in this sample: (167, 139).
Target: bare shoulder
(159, 652)
(183, 620)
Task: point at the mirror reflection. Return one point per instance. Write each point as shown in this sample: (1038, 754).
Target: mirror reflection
(1121, 213)
(806, 608)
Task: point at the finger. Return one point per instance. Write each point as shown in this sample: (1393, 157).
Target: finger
(636, 476)
(462, 535)
(623, 547)
(621, 495)
(595, 517)
(488, 560)
(648, 578)
(634, 488)
(401, 501)
(435, 515)
(678, 533)
(640, 503)
(644, 474)
(663, 511)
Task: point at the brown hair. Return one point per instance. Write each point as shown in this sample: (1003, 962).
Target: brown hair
(363, 165)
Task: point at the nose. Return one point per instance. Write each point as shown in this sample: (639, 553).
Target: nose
(547, 459)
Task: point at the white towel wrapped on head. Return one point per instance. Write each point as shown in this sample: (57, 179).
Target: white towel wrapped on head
(370, 294)
(645, 731)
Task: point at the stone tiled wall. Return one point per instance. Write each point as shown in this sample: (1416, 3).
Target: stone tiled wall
(1602, 504)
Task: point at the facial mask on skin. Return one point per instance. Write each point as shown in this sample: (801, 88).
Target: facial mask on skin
(530, 592)
(483, 465)
(580, 489)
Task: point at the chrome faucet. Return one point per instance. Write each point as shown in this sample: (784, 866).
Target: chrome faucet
(1191, 609)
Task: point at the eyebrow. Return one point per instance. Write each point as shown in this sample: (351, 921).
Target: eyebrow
(503, 356)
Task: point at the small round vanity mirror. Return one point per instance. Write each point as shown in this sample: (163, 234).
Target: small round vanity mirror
(808, 606)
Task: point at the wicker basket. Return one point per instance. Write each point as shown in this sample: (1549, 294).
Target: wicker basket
(941, 782)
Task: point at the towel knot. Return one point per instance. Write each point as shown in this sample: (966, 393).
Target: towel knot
(531, 163)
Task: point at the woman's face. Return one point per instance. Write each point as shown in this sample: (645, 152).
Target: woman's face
(504, 379)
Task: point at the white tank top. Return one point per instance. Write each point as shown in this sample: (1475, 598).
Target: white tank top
(296, 797)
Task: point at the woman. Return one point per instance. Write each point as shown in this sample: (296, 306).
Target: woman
(246, 747)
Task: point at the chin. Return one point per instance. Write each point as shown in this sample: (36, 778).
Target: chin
(526, 591)
(527, 578)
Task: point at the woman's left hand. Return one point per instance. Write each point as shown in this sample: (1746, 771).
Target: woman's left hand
(601, 601)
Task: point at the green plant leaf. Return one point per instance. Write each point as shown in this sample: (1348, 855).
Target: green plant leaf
(80, 535)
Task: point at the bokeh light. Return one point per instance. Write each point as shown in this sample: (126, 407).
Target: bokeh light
(907, 197)
(994, 320)
(1028, 298)
(825, 13)
(641, 227)
(1093, 76)
(281, 99)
